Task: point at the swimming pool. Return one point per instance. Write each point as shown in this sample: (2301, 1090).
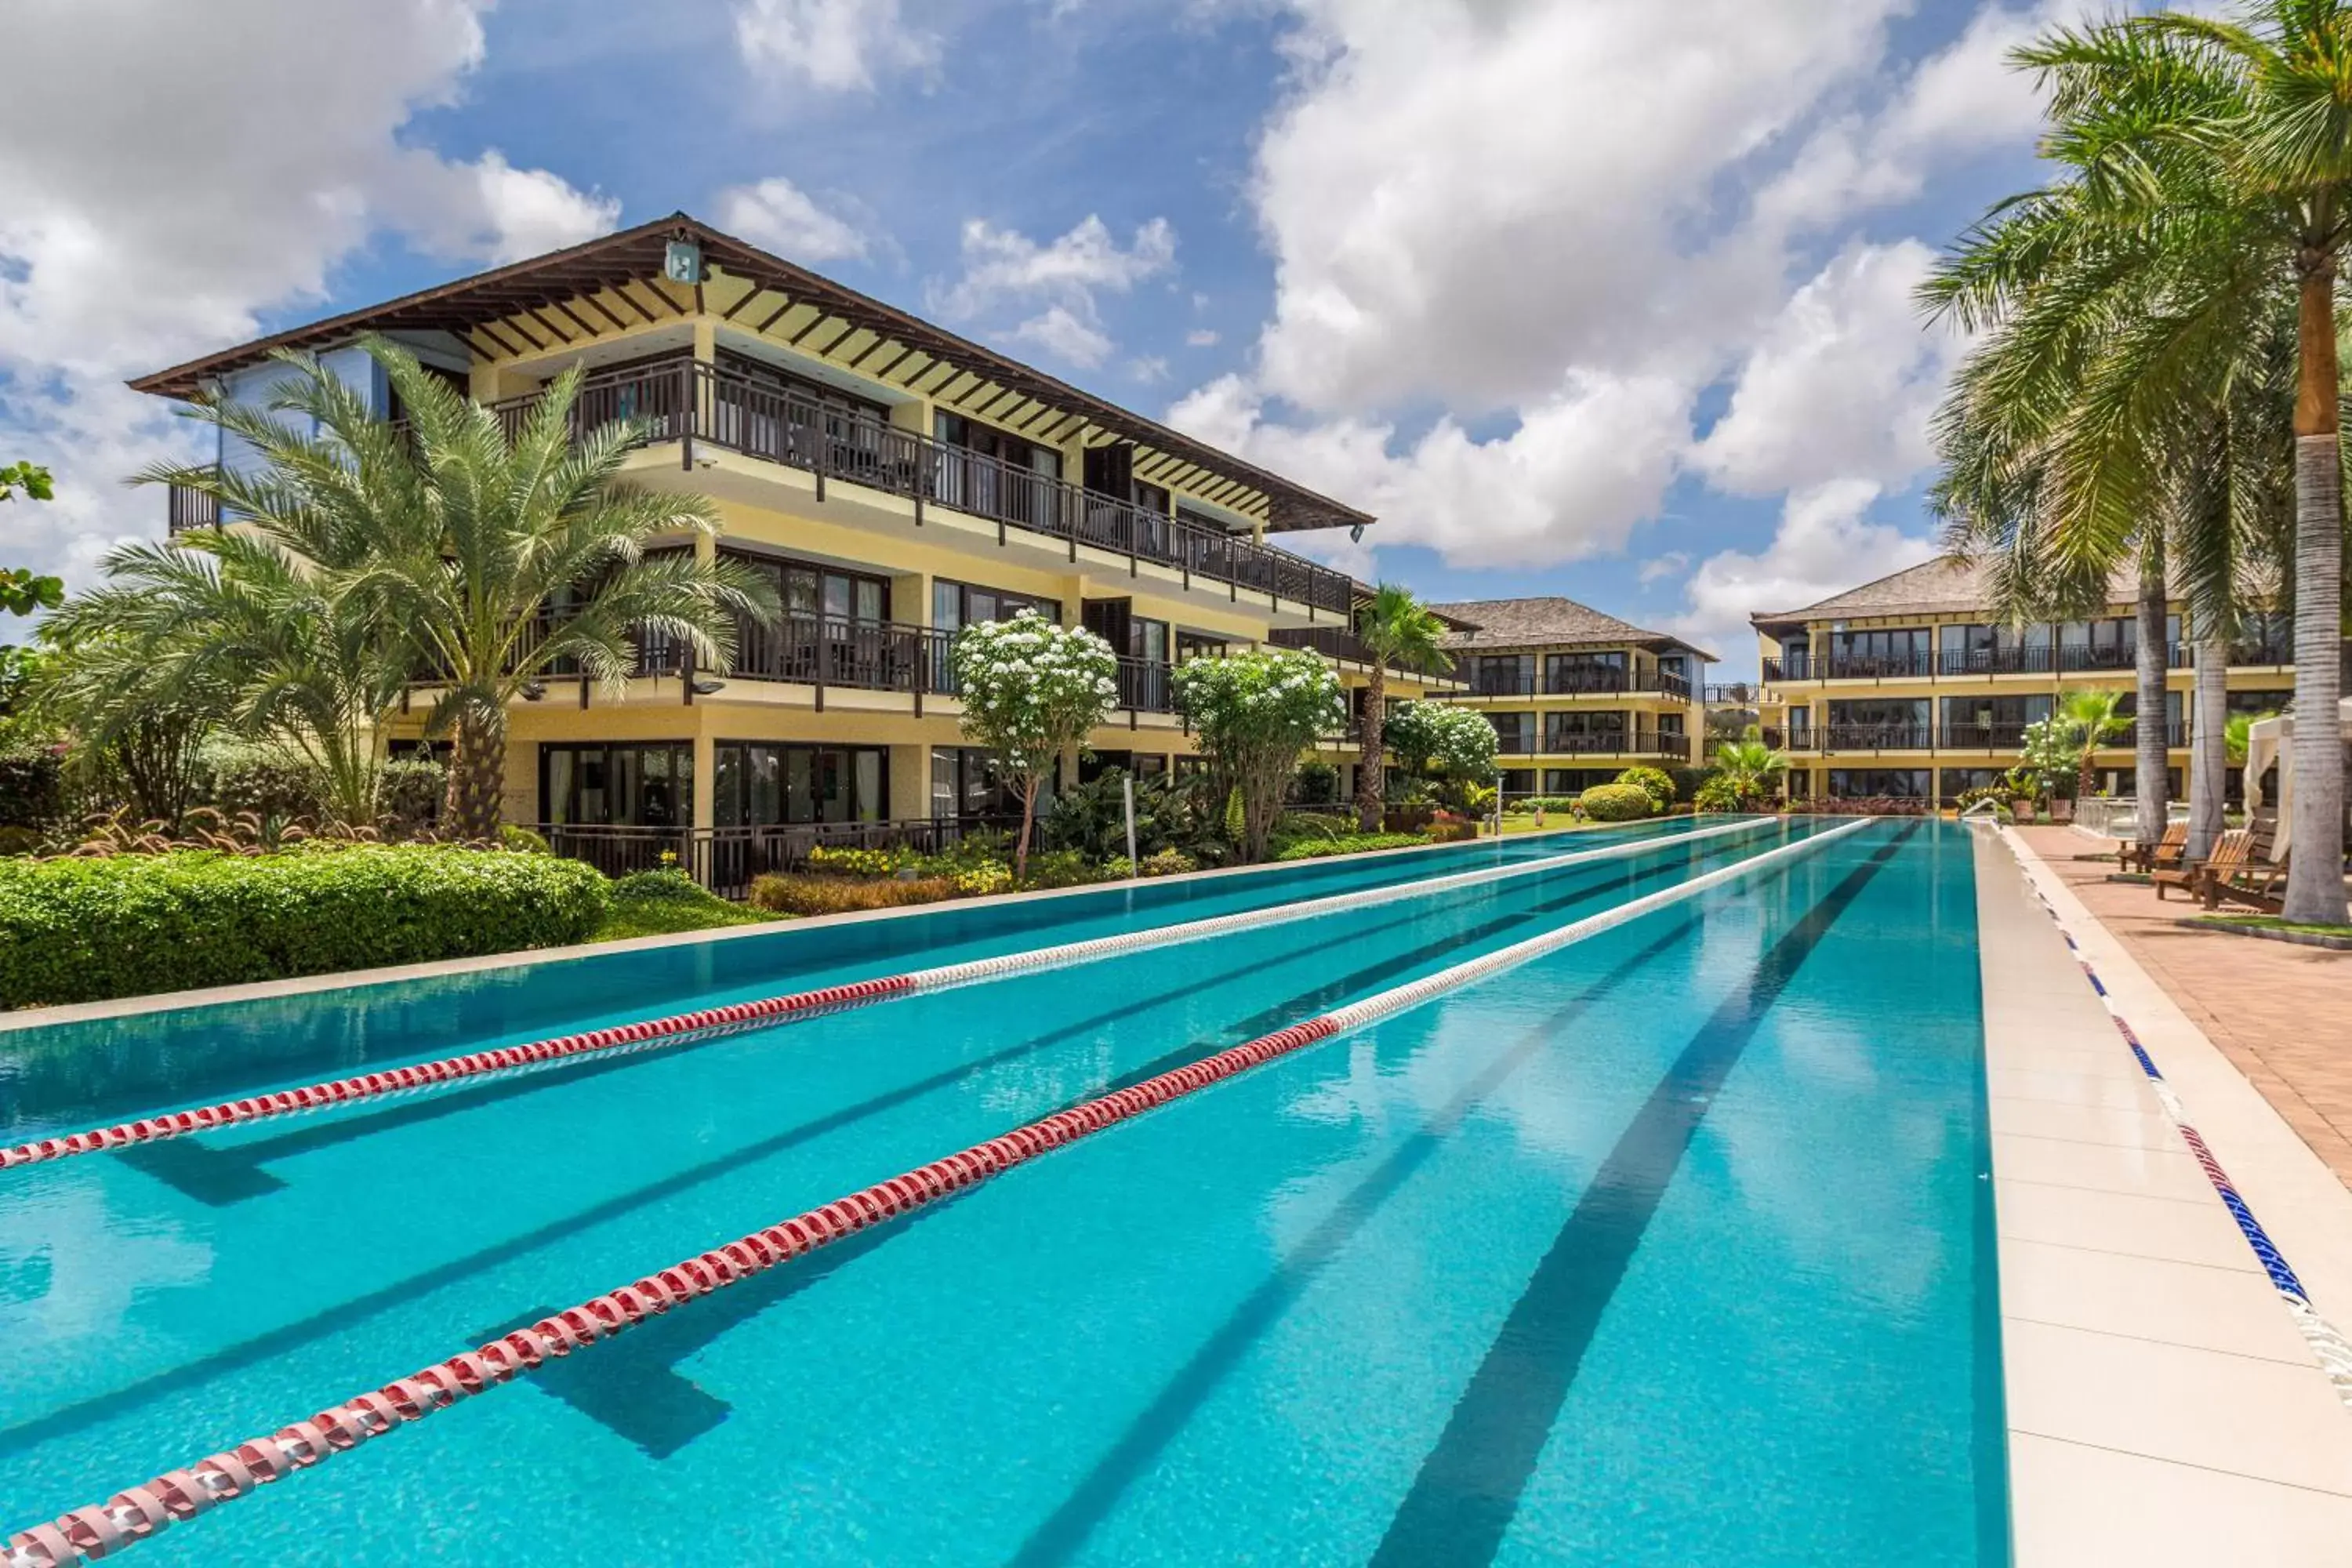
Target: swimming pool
(1670, 1245)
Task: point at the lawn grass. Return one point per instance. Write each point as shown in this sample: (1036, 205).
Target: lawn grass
(2276, 922)
(638, 910)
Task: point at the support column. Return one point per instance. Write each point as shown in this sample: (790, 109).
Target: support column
(706, 776)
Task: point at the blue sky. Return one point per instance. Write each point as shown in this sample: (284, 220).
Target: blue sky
(1589, 297)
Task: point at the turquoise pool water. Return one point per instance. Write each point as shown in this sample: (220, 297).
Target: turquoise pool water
(1670, 1247)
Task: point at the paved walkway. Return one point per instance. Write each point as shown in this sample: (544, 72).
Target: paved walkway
(2282, 1014)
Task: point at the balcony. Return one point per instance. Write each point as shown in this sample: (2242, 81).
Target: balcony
(695, 404)
(1874, 738)
(190, 509)
(1997, 737)
(1584, 683)
(1339, 643)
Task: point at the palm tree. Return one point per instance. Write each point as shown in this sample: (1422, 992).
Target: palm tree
(244, 625)
(1750, 770)
(2208, 167)
(2238, 736)
(2091, 717)
(1394, 627)
(499, 558)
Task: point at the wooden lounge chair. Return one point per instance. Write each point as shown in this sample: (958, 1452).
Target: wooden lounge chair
(2166, 851)
(2229, 859)
(2258, 884)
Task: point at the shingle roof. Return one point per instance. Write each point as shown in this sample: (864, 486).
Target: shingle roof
(1521, 623)
(1941, 587)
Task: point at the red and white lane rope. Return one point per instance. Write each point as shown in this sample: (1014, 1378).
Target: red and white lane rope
(96, 1531)
(2328, 1344)
(772, 1009)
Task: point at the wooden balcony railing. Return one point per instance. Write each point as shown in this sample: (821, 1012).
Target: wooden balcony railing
(188, 508)
(1338, 642)
(690, 402)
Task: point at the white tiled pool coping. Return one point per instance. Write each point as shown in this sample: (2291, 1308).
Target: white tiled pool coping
(2162, 1406)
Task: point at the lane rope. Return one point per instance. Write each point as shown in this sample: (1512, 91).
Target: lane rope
(132, 1515)
(2327, 1342)
(677, 1028)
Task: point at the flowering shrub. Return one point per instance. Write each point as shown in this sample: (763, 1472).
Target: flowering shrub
(836, 862)
(1426, 735)
(1255, 713)
(1032, 690)
(1168, 863)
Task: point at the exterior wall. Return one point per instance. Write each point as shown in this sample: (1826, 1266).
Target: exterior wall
(1800, 712)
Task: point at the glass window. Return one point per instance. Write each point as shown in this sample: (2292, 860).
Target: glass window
(1861, 784)
(647, 785)
(760, 785)
(1514, 732)
(1570, 672)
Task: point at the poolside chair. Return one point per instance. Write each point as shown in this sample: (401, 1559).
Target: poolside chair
(2258, 884)
(2229, 859)
(2167, 850)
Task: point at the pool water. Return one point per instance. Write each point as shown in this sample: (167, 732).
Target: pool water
(1672, 1247)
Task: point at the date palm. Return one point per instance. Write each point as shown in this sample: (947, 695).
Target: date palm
(2091, 718)
(1395, 628)
(2205, 170)
(1749, 770)
(497, 558)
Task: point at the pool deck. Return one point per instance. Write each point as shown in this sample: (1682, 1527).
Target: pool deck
(2163, 1407)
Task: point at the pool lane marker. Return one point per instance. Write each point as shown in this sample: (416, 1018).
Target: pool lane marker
(2327, 1342)
(673, 1030)
(95, 1532)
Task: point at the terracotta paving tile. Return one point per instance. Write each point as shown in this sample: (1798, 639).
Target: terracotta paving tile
(2282, 1014)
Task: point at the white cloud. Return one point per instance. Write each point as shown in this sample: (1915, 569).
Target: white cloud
(781, 216)
(1842, 383)
(233, 161)
(1823, 545)
(1004, 267)
(1059, 333)
(1658, 568)
(836, 46)
(1199, 338)
(1149, 369)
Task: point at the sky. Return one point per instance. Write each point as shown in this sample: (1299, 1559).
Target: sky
(1602, 298)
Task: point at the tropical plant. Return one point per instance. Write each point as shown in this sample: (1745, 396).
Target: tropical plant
(139, 732)
(1394, 627)
(1255, 713)
(2047, 756)
(2207, 165)
(23, 591)
(498, 558)
(1439, 738)
(252, 626)
(2238, 736)
(1747, 774)
(1030, 691)
(2090, 717)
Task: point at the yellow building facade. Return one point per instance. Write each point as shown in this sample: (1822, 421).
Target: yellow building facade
(895, 481)
(1576, 696)
(1911, 687)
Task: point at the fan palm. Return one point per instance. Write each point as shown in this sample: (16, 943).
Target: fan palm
(497, 557)
(1394, 627)
(2208, 165)
(1750, 771)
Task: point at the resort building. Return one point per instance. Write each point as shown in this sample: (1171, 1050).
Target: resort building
(1576, 696)
(897, 481)
(1911, 687)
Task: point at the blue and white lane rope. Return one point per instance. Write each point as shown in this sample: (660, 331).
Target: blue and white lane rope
(2327, 1342)
(660, 1033)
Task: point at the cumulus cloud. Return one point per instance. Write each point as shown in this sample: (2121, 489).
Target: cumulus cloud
(1841, 382)
(835, 46)
(238, 160)
(1824, 544)
(1003, 268)
(1673, 564)
(781, 216)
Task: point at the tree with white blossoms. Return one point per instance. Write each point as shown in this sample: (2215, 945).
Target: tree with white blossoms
(1255, 713)
(1032, 690)
(1457, 740)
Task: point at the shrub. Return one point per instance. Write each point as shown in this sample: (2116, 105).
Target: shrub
(1316, 782)
(1687, 781)
(1652, 782)
(664, 885)
(979, 881)
(1314, 825)
(410, 792)
(1059, 868)
(271, 787)
(32, 786)
(522, 840)
(1315, 848)
(1448, 828)
(1616, 803)
(832, 862)
(1720, 792)
(85, 930)
(1864, 806)
(813, 895)
(660, 903)
(1168, 863)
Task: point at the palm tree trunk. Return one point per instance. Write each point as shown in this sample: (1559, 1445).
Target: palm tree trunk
(2314, 887)
(2153, 784)
(1370, 784)
(2209, 762)
(477, 774)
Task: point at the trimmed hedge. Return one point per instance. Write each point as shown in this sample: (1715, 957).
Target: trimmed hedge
(86, 929)
(1615, 801)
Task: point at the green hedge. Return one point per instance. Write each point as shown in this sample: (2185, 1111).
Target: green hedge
(82, 930)
(1615, 801)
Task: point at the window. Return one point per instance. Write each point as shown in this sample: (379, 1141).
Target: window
(1518, 781)
(809, 590)
(760, 785)
(1198, 645)
(1900, 650)
(2264, 637)
(964, 784)
(2239, 701)
(1575, 781)
(1879, 720)
(1992, 721)
(1993, 647)
(1572, 672)
(1004, 476)
(1952, 781)
(1862, 784)
(958, 604)
(1514, 732)
(1150, 496)
(1502, 675)
(646, 786)
(1568, 733)
(763, 409)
